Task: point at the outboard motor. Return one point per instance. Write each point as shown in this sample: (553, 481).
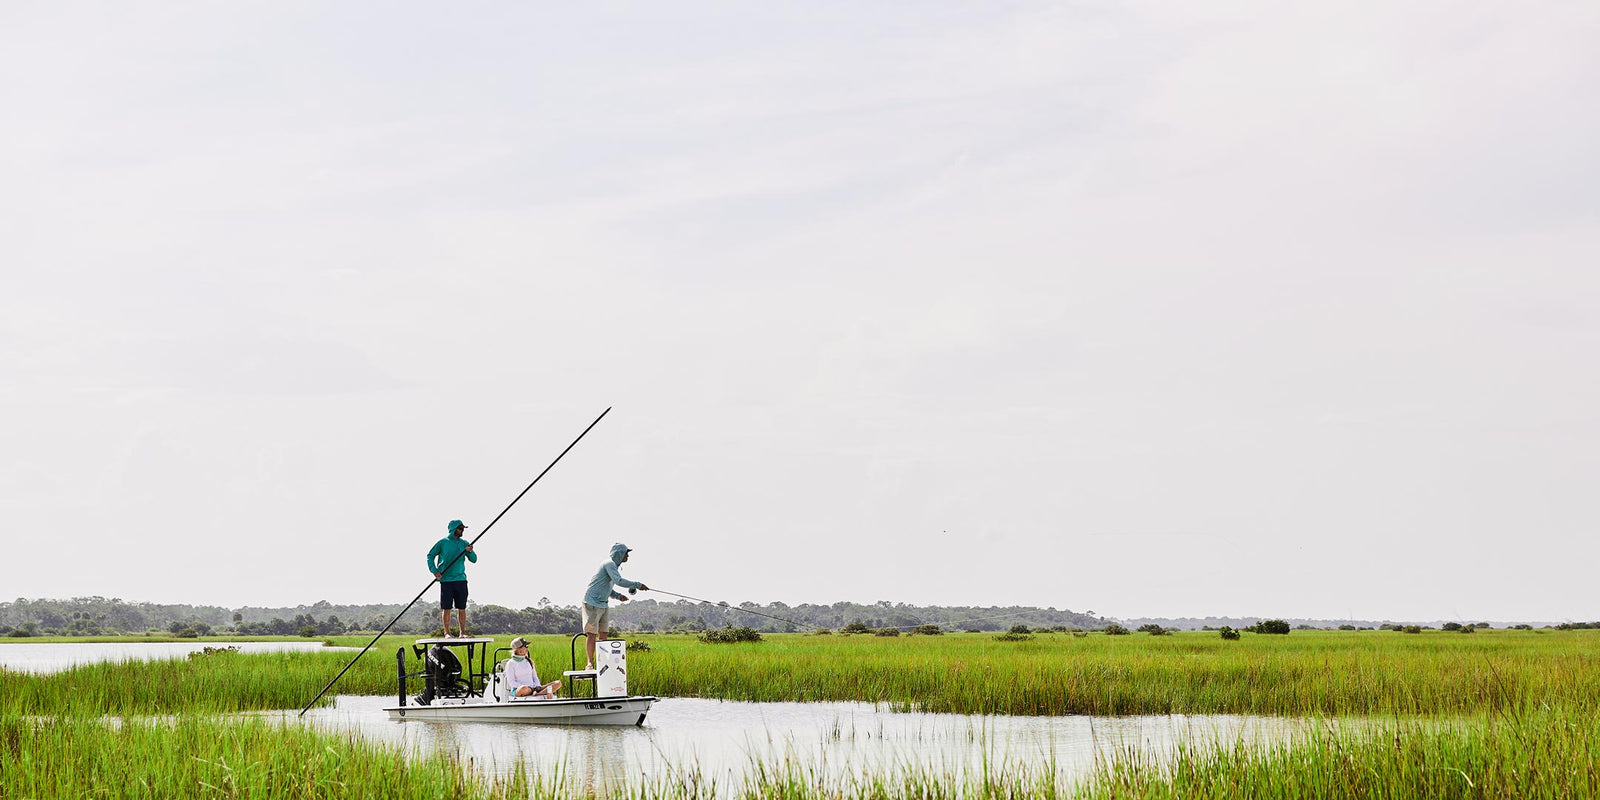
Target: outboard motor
(441, 675)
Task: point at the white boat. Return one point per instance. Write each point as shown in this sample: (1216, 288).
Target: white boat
(461, 691)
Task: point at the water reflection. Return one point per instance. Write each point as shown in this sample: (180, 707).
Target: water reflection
(718, 741)
(57, 656)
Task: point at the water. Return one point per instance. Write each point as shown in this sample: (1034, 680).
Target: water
(55, 657)
(721, 739)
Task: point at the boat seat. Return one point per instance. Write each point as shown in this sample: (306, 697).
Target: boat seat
(575, 676)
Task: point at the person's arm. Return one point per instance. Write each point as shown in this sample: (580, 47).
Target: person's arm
(472, 555)
(433, 565)
(616, 578)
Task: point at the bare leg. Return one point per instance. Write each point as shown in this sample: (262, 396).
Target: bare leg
(604, 634)
(445, 622)
(550, 689)
(461, 620)
(524, 691)
(588, 647)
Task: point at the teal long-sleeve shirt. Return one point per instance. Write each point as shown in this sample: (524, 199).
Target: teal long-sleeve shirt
(446, 551)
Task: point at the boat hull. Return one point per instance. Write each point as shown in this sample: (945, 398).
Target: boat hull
(579, 711)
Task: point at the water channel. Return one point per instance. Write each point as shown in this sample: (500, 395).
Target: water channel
(721, 739)
(57, 656)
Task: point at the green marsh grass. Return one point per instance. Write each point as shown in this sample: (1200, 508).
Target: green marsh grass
(75, 756)
(1440, 715)
(1552, 755)
(1548, 754)
(1309, 673)
(223, 682)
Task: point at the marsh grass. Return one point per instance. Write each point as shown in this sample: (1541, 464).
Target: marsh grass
(221, 682)
(1549, 754)
(1552, 755)
(75, 756)
(1305, 674)
(1498, 714)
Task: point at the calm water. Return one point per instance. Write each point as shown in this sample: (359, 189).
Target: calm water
(722, 738)
(42, 658)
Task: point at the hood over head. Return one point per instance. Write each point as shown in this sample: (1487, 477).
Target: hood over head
(619, 550)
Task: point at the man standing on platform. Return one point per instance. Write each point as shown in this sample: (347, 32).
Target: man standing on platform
(446, 562)
(596, 608)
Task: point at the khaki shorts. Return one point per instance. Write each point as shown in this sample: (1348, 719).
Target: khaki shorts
(596, 619)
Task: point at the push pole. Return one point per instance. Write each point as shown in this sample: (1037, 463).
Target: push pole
(449, 565)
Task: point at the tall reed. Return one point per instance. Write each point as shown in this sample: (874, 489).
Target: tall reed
(1306, 673)
(1548, 753)
(221, 682)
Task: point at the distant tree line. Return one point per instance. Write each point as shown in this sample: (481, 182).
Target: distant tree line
(1248, 623)
(99, 616)
(683, 615)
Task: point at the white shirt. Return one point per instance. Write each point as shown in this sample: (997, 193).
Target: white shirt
(521, 673)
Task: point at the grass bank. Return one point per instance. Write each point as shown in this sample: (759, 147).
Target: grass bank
(222, 682)
(1546, 754)
(1550, 754)
(74, 757)
(1308, 673)
(151, 638)
(1303, 674)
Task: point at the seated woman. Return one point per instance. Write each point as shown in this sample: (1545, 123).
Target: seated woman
(523, 678)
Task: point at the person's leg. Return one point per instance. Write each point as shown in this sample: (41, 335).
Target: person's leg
(444, 607)
(591, 629)
(461, 608)
(524, 691)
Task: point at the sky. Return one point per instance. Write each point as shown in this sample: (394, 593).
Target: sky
(1149, 309)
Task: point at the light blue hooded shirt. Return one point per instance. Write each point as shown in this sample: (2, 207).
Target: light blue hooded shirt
(600, 586)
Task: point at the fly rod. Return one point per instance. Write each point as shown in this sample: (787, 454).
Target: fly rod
(740, 610)
(452, 563)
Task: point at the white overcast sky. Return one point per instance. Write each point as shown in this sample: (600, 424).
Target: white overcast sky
(1145, 308)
